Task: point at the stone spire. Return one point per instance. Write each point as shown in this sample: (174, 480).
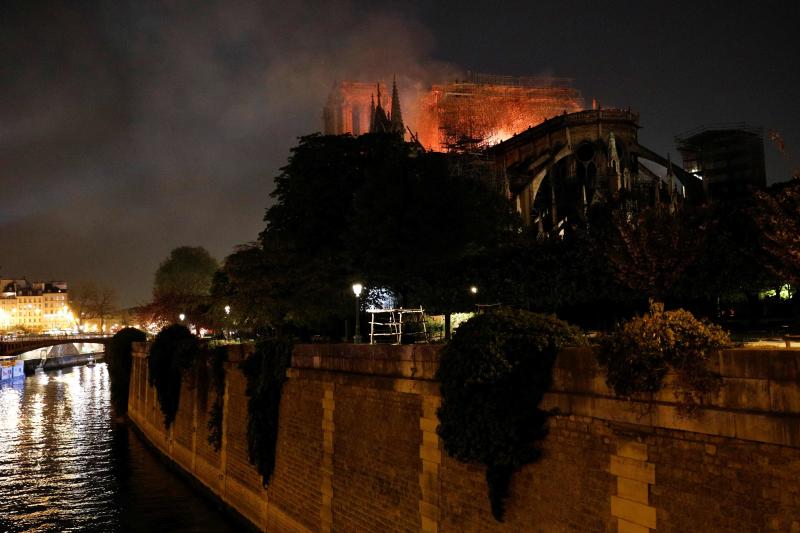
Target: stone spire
(396, 115)
(380, 122)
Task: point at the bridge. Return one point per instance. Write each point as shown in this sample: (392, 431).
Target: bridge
(19, 345)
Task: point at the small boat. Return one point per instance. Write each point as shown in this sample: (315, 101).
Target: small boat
(90, 361)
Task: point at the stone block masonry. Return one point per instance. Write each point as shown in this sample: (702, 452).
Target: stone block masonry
(358, 449)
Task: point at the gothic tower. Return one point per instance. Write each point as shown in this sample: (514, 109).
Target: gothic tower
(388, 123)
(396, 116)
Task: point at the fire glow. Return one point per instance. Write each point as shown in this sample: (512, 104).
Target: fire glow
(478, 112)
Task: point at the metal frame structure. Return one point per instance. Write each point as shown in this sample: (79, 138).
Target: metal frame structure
(392, 325)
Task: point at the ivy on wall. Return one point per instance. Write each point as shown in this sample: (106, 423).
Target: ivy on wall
(493, 375)
(119, 361)
(640, 353)
(215, 362)
(265, 371)
(172, 354)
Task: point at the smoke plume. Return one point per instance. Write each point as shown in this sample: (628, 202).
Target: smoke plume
(130, 127)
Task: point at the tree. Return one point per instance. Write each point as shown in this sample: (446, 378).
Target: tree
(777, 213)
(91, 301)
(104, 304)
(304, 266)
(571, 276)
(183, 283)
(651, 253)
(82, 295)
(369, 209)
(419, 226)
(240, 292)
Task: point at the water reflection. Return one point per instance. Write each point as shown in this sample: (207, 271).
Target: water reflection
(64, 467)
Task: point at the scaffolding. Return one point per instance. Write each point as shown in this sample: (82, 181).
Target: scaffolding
(394, 324)
(485, 109)
(466, 115)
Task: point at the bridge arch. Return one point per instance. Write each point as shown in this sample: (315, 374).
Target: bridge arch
(20, 345)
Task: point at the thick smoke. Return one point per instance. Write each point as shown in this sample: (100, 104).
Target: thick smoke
(130, 127)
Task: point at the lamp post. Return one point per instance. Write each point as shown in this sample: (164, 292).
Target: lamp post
(227, 320)
(357, 288)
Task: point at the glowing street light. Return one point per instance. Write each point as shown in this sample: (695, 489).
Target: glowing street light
(226, 332)
(473, 289)
(182, 317)
(357, 288)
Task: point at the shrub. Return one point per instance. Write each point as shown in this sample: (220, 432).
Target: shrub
(265, 371)
(493, 375)
(642, 351)
(119, 361)
(172, 353)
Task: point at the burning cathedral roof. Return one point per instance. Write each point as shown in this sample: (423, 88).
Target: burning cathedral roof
(464, 115)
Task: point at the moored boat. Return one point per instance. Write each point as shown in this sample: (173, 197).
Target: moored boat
(11, 368)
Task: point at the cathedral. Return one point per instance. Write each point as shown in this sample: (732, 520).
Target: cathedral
(352, 108)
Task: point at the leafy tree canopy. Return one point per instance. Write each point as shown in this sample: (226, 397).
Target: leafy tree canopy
(369, 209)
(187, 271)
(183, 283)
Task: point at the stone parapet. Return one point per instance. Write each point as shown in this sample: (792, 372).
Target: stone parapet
(414, 361)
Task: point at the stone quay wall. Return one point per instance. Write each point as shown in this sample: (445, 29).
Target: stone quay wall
(358, 449)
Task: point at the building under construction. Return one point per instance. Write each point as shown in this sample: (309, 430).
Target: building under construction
(465, 115)
(728, 158)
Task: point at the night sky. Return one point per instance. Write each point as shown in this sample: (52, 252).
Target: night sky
(130, 127)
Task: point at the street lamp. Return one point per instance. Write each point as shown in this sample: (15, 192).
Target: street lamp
(226, 333)
(182, 317)
(357, 288)
(473, 289)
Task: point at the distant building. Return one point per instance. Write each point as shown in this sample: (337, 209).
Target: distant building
(36, 306)
(555, 171)
(728, 158)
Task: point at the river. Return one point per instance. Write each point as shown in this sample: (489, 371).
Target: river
(65, 466)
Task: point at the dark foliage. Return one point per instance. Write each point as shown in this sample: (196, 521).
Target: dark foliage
(182, 284)
(570, 276)
(304, 267)
(369, 209)
(215, 362)
(265, 371)
(640, 353)
(650, 254)
(172, 353)
(242, 283)
(417, 222)
(493, 376)
(119, 361)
